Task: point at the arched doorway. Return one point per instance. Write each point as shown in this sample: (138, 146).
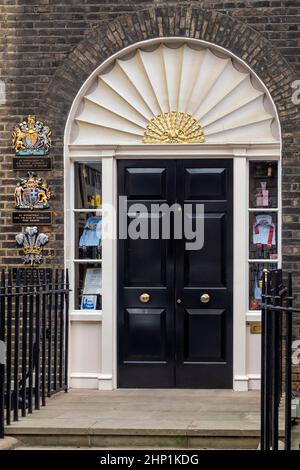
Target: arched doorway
(223, 114)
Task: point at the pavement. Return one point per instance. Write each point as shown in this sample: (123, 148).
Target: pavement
(156, 418)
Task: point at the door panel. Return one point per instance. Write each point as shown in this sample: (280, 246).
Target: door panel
(146, 183)
(164, 343)
(204, 330)
(145, 334)
(205, 183)
(146, 331)
(141, 253)
(205, 337)
(211, 257)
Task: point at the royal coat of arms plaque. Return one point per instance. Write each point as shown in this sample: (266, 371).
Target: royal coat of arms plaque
(31, 137)
(32, 195)
(31, 140)
(32, 192)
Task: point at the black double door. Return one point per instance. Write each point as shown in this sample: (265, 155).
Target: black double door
(175, 304)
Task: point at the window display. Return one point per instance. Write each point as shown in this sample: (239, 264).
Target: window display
(88, 278)
(92, 288)
(263, 235)
(263, 225)
(88, 236)
(256, 272)
(263, 184)
(88, 185)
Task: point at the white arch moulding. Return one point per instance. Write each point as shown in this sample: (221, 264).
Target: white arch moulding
(109, 118)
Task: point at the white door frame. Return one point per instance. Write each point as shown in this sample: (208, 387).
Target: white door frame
(107, 376)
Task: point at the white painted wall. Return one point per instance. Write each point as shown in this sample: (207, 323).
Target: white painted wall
(253, 357)
(85, 364)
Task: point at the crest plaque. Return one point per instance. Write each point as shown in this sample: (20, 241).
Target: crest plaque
(31, 137)
(32, 192)
(32, 242)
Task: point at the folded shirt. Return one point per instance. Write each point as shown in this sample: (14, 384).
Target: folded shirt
(92, 233)
(264, 232)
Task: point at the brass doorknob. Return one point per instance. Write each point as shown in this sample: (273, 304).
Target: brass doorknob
(205, 298)
(144, 298)
(179, 301)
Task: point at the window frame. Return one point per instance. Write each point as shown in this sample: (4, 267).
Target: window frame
(255, 315)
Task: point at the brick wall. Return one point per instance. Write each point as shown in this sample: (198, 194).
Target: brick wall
(36, 37)
(48, 47)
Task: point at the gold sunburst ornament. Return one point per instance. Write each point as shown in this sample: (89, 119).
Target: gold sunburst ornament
(173, 128)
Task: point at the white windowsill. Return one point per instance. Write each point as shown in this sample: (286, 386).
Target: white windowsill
(253, 315)
(263, 260)
(87, 260)
(88, 315)
(263, 209)
(99, 210)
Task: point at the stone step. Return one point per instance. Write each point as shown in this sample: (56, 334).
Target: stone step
(148, 418)
(136, 438)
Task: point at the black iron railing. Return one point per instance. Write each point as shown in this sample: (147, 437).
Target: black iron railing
(34, 334)
(276, 360)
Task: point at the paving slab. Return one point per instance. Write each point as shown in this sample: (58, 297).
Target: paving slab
(169, 418)
(8, 443)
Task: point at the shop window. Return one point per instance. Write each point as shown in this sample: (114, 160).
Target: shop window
(263, 235)
(263, 185)
(256, 272)
(88, 281)
(88, 185)
(263, 225)
(88, 236)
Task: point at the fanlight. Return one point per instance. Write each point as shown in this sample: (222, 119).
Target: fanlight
(166, 95)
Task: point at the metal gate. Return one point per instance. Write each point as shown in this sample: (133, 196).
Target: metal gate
(276, 366)
(34, 332)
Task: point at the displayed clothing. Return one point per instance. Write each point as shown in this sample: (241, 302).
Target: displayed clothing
(264, 231)
(92, 233)
(262, 195)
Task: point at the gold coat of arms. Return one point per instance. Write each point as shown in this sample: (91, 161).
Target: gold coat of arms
(31, 137)
(32, 193)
